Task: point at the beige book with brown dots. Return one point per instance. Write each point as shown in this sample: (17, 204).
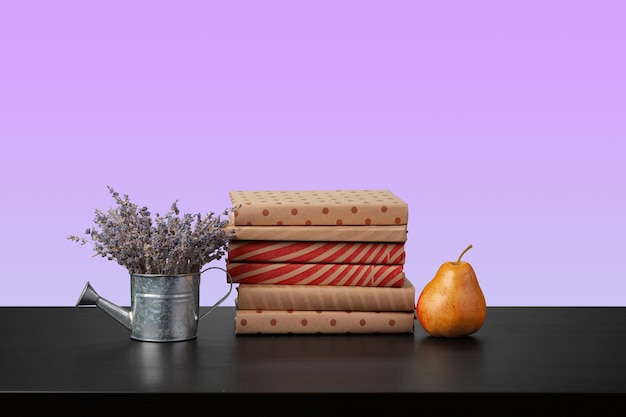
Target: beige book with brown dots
(318, 208)
(296, 322)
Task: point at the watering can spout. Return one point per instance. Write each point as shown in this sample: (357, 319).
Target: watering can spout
(90, 297)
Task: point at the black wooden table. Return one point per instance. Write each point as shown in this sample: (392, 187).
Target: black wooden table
(523, 361)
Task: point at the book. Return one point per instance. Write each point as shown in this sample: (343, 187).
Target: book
(316, 252)
(333, 298)
(318, 208)
(397, 233)
(307, 322)
(316, 274)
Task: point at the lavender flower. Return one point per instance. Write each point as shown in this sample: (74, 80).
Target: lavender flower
(169, 245)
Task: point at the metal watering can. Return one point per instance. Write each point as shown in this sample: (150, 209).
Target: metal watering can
(164, 308)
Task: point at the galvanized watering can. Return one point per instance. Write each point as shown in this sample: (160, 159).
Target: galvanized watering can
(164, 308)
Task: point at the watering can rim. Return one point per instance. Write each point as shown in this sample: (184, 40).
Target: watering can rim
(165, 275)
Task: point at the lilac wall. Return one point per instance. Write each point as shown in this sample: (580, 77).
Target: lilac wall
(502, 124)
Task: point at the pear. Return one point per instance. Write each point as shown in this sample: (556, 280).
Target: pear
(452, 304)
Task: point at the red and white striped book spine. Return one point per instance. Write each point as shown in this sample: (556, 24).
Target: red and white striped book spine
(317, 252)
(316, 274)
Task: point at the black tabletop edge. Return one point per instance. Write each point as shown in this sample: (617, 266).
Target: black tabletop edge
(316, 404)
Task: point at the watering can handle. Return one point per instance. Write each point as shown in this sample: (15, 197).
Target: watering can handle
(230, 280)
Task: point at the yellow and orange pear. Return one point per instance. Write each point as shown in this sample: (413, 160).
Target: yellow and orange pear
(452, 304)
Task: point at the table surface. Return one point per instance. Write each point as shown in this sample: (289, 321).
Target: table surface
(579, 351)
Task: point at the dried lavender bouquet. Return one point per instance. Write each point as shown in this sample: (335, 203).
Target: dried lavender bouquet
(167, 245)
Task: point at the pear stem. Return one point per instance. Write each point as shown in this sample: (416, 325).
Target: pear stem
(463, 253)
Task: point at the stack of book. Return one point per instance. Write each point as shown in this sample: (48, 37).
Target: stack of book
(320, 262)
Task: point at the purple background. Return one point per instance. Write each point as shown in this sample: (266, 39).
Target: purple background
(501, 124)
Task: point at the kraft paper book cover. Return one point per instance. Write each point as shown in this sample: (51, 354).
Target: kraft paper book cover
(319, 233)
(318, 208)
(309, 322)
(316, 297)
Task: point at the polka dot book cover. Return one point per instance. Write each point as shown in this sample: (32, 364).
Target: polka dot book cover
(321, 207)
(291, 321)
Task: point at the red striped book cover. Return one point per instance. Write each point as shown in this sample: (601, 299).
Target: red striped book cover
(316, 274)
(317, 252)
